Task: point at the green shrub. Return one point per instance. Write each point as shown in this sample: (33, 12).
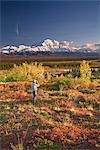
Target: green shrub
(48, 145)
(61, 83)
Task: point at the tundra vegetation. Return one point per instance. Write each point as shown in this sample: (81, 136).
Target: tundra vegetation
(65, 116)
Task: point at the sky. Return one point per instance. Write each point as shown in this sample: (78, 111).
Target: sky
(31, 22)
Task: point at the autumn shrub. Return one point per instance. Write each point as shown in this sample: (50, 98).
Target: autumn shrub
(85, 71)
(24, 72)
(96, 81)
(72, 83)
(2, 76)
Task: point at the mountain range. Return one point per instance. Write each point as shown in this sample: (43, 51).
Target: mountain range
(52, 46)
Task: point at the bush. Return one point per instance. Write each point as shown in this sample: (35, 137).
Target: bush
(85, 71)
(2, 76)
(24, 72)
(61, 83)
(47, 144)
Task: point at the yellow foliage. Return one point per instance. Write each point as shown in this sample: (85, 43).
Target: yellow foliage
(85, 71)
(24, 72)
(28, 71)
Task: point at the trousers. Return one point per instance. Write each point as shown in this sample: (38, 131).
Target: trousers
(34, 93)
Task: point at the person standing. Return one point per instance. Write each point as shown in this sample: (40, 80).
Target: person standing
(35, 86)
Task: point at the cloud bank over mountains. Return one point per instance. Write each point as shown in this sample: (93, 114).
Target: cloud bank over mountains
(52, 46)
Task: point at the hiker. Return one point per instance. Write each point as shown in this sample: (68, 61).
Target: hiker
(35, 86)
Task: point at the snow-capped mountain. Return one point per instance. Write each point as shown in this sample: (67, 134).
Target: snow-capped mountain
(90, 47)
(49, 45)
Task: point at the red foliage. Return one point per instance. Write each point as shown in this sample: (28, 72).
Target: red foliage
(61, 121)
(15, 90)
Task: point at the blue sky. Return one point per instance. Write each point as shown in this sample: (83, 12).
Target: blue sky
(30, 22)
